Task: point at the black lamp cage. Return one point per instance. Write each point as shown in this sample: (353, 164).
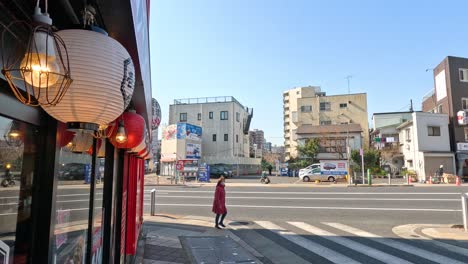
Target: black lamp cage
(20, 49)
(13, 135)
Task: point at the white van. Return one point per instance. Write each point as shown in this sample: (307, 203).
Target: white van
(310, 167)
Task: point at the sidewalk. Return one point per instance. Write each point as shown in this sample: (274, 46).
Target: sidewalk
(172, 239)
(250, 181)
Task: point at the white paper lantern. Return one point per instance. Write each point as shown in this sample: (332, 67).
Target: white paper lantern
(103, 79)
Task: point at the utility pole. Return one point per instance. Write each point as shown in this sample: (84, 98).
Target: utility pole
(348, 147)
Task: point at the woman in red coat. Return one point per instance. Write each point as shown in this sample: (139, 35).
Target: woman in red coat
(219, 203)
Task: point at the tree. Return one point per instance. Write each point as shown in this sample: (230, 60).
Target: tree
(309, 150)
(371, 158)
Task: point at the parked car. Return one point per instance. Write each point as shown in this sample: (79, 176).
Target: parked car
(306, 169)
(316, 174)
(219, 170)
(72, 172)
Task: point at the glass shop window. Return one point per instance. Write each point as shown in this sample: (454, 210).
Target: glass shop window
(17, 161)
(73, 194)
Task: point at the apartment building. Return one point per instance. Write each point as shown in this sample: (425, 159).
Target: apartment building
(225, 123)
(341, 118)
(450, 95)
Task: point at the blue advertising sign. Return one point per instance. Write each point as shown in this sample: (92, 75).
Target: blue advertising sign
(284, 171)
(204, 173)
(193, 151)
(189, 131)
(87, 171)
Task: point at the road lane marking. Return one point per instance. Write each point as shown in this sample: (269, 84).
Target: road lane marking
(312, 192)
(8, 214)
(346, 242)
(396, 244)
(74, 201)
(84, 194)
(320, 250)
(313, 198)
(316, 207)
(10, 203)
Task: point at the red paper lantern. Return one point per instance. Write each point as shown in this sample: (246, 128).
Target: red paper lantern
(143, 153)
(64, 136)
(134, 125)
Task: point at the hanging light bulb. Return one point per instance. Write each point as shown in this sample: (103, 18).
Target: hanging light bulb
(121, 135)
(14, 134)
(40, 60)
(40, 75)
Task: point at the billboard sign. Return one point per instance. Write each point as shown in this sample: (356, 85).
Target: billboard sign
(462, 146)
(189, 131)
(333, 167)
(169, 132)
(193, 151)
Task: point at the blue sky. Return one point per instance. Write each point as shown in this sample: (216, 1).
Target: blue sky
(256, 49)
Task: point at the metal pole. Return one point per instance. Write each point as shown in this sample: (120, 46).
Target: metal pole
(407, 179)
(153, 202)
(389, 179)
(464, 199)
(362, 165)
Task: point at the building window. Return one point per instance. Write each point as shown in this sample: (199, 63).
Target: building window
(199, 116)
(465, 103)
(344, 105)
(214, 137)
(226, 138)
(408, 134)
(237, 138)
(433, 131)
(210, 115)
(183, 117)
(439, 109)
(237, 116)
(325, 122)
(325, 106)
(224, 115)
(463, 75)
(306, 108)
(410, 163)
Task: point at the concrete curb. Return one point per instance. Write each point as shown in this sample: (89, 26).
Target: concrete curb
(381, 185)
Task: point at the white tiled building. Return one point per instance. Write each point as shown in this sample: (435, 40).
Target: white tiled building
(425, 144)
(225, 123)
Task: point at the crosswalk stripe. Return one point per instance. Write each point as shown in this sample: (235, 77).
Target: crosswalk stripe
(396, 244)
(322, 251)
(371, 252)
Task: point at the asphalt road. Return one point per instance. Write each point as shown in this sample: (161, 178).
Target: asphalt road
(379, 208)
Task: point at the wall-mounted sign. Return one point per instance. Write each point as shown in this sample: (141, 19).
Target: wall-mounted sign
(193, 151)
(188, 131)
(169, 132)
(462, 146)
(462, 118)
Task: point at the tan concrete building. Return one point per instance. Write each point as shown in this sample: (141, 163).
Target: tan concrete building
(309, 106)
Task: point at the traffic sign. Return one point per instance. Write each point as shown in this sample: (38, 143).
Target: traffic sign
(180, 165)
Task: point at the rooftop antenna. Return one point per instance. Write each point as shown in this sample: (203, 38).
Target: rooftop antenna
(349, 77)
(411, 105)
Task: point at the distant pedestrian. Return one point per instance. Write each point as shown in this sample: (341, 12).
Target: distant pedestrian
(219, 203)
(440, 171)
(269, 169)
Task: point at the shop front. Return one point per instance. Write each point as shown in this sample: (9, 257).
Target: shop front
(75, 105)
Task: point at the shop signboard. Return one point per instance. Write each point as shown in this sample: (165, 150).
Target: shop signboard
(462, 118)
(334, 167)
(189, 131)
(204, 173)
(187, 165)
(462, 146)
(156, 111)
(193, 151)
